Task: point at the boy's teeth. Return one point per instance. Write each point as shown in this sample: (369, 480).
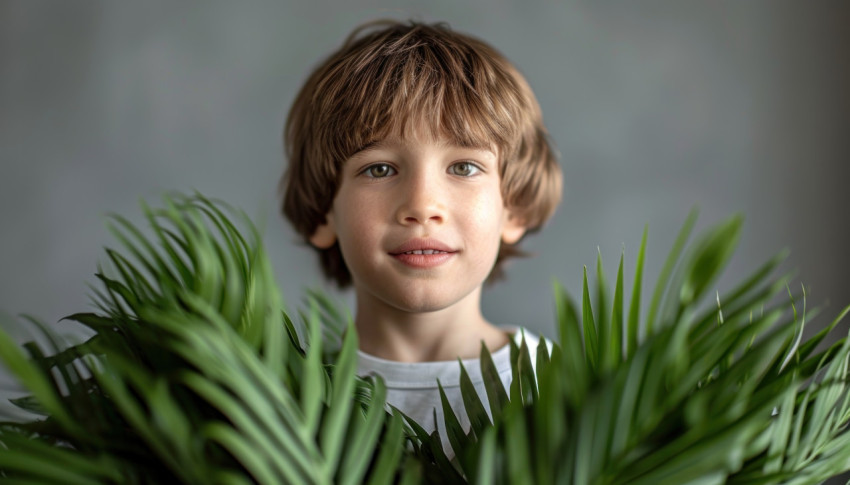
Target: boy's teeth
(424, 251)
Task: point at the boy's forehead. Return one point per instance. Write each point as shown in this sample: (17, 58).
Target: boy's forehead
(443, 142)
(425, 133)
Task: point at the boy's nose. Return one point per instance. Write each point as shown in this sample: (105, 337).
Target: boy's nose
(420, 203)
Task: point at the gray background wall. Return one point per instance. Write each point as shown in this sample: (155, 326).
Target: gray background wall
(655, 107)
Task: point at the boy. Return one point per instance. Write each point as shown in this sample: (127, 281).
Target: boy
(418, 160)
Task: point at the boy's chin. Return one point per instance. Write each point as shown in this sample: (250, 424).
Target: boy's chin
(422, 303)
(419, 299)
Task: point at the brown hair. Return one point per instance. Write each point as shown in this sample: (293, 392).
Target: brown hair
(387, 78)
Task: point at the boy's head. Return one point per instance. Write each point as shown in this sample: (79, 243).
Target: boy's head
(394, 80)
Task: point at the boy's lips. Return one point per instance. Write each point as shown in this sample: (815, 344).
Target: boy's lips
(423, 253)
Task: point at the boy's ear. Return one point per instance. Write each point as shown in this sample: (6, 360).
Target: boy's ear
(324, 236)
(513, 228)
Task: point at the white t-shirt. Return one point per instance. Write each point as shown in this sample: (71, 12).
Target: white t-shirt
(412, 387)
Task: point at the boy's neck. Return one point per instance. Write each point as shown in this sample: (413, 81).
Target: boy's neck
(447, 334)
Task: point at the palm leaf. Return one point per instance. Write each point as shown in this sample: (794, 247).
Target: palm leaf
(196, 374)
(701, 396)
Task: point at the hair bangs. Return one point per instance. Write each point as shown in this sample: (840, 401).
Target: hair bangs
(423, 87)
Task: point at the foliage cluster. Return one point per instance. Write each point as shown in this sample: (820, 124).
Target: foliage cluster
(195, 374)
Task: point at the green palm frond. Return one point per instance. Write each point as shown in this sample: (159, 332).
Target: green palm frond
(195, 375)
(728, 393)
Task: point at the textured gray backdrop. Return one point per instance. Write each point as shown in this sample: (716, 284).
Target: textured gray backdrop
(654, 106)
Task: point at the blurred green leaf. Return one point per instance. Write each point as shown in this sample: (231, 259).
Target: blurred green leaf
(196, 374)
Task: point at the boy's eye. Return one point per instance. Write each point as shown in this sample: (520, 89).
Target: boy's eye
(464, 169)
(379, 170)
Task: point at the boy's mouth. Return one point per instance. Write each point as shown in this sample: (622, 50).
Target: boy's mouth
(423, 253)
(422, 246)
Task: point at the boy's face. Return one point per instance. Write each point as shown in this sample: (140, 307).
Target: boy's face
(419, 222)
